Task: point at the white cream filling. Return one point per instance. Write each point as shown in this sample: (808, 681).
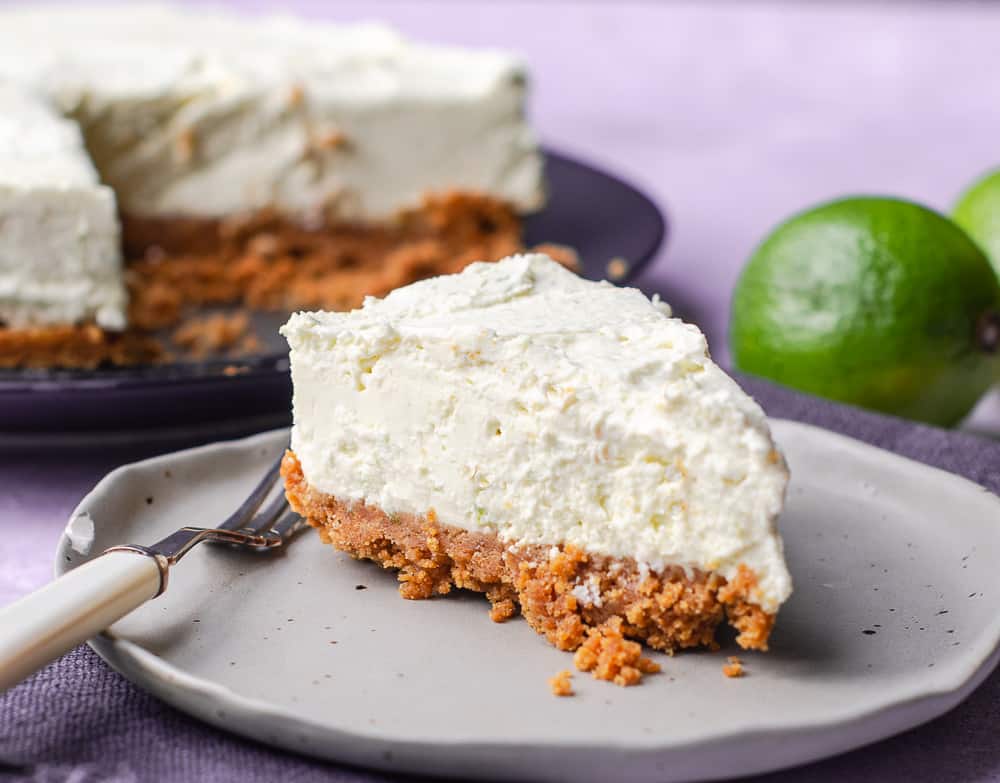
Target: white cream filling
(60, 260)
(518, 398)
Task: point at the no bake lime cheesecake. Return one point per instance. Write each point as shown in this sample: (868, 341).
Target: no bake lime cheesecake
(564, 446)
(272, 161)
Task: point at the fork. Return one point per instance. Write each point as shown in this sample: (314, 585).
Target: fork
(83, 602)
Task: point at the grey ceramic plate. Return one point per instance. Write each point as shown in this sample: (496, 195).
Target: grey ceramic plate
(893, 622)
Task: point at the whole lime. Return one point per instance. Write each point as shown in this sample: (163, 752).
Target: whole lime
(978, 212)
(876, 302)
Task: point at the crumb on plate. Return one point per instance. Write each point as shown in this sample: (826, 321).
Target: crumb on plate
(560, 685)
(608, 655)
(733, 667)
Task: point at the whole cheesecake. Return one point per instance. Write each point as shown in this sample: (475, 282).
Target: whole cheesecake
(563, 446)
(272, 162)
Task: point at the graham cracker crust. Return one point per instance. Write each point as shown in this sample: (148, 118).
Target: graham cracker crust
(84, 346)
(177, 267)
(266, 261)
(667, 610)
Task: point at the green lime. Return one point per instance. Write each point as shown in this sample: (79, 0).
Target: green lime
(876, 302)
(978, 212)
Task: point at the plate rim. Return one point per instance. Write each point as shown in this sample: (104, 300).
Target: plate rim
(865, 726)
(269, 365)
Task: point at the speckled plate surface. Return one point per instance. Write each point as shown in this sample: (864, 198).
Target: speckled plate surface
(596, 213)
(894, 620)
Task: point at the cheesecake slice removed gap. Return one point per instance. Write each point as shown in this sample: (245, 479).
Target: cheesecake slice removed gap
(563, 446)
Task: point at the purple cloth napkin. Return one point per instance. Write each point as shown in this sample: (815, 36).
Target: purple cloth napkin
(79, 721)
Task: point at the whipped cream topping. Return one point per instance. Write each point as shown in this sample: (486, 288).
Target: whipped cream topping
(207, 113)
(60, 260)
(518, 398)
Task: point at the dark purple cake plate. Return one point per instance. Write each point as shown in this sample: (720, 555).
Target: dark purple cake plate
(590, 210)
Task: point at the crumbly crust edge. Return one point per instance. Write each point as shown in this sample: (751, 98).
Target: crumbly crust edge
(562, 592)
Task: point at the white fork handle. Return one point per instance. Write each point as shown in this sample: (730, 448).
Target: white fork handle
(78, 605)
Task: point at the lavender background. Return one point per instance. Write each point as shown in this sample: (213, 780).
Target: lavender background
(732, 116)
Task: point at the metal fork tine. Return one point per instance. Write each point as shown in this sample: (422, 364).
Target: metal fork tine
(264, 520)
(240, 518)
(249, 525)
(289, 523)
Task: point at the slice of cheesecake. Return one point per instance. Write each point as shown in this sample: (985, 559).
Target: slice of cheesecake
(60, 256)
(59, 245)
(565, 447)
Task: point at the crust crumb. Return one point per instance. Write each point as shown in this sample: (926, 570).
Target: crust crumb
(330, 140)
(214, 333)
(733, 667)
(184, 146)
(562, 254)
(617, 268)
(503, 610)
(296, 95)
(608, 655)
(264, 245)
(753, 624)
(560, 684)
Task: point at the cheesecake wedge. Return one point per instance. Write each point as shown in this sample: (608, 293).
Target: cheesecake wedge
(61, 280)
(59, 255)
(563, 446)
